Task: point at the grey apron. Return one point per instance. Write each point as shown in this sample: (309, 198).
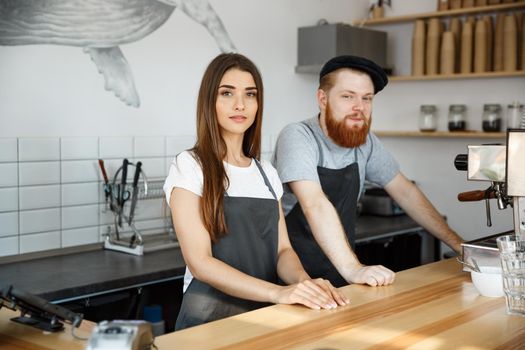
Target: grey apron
(341, 187)
(250, 246)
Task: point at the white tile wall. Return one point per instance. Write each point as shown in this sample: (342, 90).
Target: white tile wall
(79, 236)
(39, 241)
(9, 174)
(36, 197)
(35, 149)
(79, 216)
(149, 147)
(115, 147)
(51, 194)
(8, 150)
(82, 193)
(79, 171)
(175, 145)
(76, 148)
(8, 199)
(8, 224)
(8, 246)
(39, 173)
(149, 209)
(155, 168)
(106, 217)
(39, 220)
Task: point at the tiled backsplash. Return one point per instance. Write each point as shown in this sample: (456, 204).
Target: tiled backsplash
(51, 193)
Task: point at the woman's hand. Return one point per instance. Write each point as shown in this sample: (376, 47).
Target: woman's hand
(315, 294)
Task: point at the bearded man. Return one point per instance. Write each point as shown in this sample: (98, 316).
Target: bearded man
(324, 161)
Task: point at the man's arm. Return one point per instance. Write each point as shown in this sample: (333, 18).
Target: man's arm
(330, 235)
(419, 208)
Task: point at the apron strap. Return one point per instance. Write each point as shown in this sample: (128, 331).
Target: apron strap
(266, 181)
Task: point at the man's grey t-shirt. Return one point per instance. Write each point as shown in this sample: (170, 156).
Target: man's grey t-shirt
(296, 158)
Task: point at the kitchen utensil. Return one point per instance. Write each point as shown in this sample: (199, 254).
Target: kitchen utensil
(135, 187)
(107, 187)
(472, 267)
(122, 191)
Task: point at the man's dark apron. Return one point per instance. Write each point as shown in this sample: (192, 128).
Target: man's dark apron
(341, 187)
(250, 246)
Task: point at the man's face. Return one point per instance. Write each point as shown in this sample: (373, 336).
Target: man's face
(348, 108)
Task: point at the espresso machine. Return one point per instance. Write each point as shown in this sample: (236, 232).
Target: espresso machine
(503, 168)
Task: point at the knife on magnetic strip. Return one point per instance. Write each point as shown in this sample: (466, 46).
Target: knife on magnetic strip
(134, 196)
(122, 195)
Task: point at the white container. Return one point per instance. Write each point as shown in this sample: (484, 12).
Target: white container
(488, 282)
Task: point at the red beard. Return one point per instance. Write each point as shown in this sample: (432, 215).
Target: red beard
(343, 135)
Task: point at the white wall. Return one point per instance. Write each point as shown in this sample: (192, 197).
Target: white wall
(56, 90)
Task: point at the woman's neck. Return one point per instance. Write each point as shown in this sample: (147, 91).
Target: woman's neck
(234, 153)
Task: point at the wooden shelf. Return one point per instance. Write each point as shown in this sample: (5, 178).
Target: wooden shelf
(448, 13)
(443, 134)
(500, 74)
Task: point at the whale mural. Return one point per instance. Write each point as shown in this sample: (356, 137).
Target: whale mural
(100, 27)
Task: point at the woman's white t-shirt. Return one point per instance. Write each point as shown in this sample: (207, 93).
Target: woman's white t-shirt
(185, 172)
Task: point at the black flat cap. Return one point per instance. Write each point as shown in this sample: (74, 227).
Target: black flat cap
(374, 71)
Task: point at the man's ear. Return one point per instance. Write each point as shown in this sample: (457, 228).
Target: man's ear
(322, 99)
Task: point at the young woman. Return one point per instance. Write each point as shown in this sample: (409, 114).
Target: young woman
(226, 210)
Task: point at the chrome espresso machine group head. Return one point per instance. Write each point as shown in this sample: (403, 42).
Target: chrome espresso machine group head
(503, 166)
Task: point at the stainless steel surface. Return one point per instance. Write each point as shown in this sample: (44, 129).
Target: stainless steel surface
(484, 251)
(486, 162)
(317, 44)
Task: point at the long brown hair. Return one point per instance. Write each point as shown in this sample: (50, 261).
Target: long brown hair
(210, 148)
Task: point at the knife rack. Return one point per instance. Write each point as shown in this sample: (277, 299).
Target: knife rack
(118, 192)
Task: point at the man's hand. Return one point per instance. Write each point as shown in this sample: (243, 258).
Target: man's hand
(375, 275)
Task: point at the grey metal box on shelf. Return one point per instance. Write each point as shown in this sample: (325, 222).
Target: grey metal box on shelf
(317, 44)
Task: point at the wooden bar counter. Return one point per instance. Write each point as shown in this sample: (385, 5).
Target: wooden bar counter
(434, 306)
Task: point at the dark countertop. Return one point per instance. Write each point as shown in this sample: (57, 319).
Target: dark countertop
(70, 276)
(81, 274)
(370, 227)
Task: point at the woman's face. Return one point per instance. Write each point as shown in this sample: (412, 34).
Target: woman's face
(236, 103)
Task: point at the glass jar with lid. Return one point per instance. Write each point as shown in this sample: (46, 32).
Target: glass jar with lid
(427, 118)
(456, 118)
(515, 113)
(491, 119)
